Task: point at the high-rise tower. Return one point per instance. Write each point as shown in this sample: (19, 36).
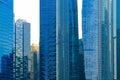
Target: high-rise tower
(98, 39)
(67, 40)
(47, 40)
(34, 74)
(22, 50)
(6, 39)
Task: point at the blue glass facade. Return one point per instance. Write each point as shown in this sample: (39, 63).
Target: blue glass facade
(96, 26)
(47, 40)
(90, 34)
(81, 60)
(6, 39)
(73, 41)
(67, 40)
(106, 41)
(114, 36)
(62, 38)
(118, 37)
(118, 55)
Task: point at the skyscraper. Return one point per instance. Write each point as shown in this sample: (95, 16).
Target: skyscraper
(22, 50)
(47, 39)
(117, 6)
(81, 60)
(67, 40)
(97, 26)
(6, 65)
(6, 37)
(34, 75)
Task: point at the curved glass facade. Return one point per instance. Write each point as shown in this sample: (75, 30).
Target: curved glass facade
(6, 39)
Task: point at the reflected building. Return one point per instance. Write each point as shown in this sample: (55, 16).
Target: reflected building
(6, 39)
(98, 39)
(22, 50)
(67, 42)
(34, 74)
(47, 40)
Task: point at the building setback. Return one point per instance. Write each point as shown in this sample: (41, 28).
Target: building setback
(22, 50)
(6, 39)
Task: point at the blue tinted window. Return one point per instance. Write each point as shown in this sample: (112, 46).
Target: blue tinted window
(6, 39)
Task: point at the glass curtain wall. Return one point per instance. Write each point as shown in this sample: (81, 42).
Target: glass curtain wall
(47, 40)
(67, 40)
(6, 39)
(97, 27)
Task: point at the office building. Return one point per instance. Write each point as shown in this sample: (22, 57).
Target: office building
(47, 40)
(81, 60)
(22, 50)
(117, 6)
(98, 39)
(7, 65)
(6, 38)
(67, 40)
(34, 74)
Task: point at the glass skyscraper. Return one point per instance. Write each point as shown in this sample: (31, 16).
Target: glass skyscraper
(118, 37)
(81, 60)
(47, 40)
(22, 50)
(67, 40)
(98, 39)
(6, 39)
